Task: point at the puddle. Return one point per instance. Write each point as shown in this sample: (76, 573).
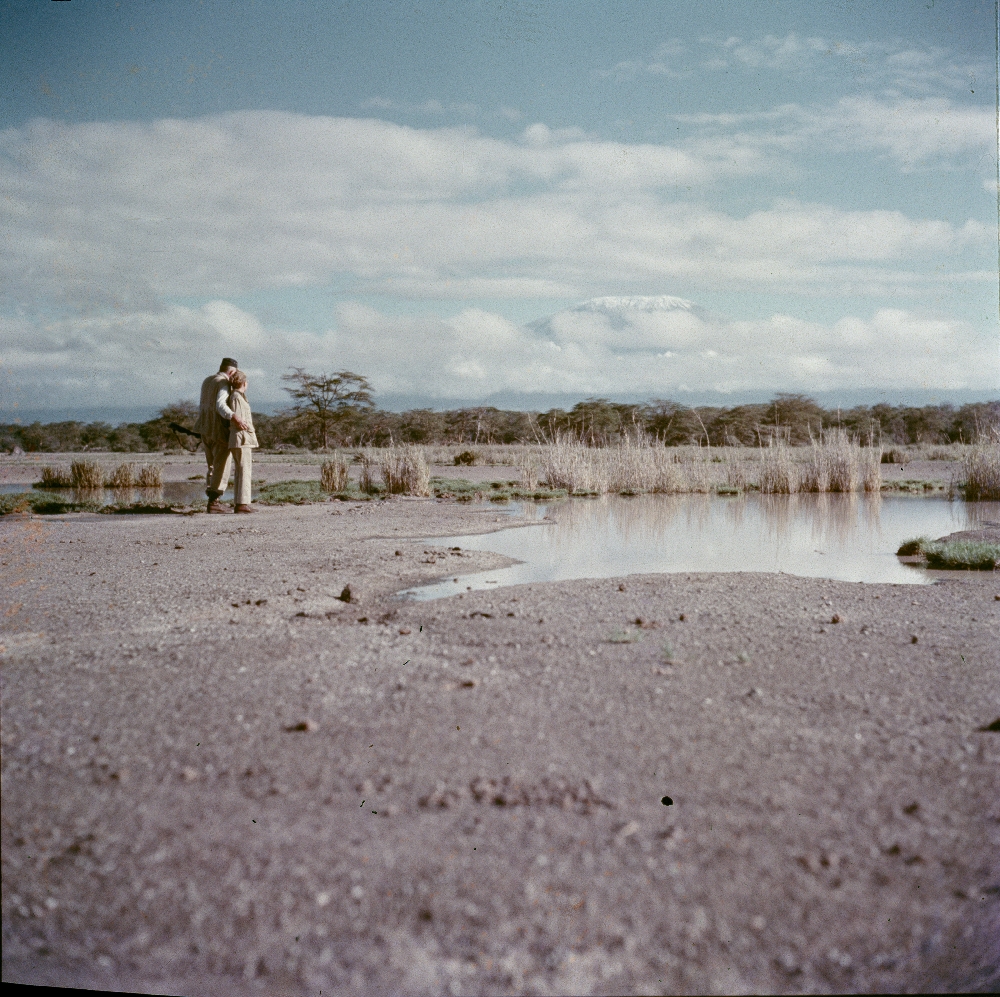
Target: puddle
(846, 537)
(179, 493)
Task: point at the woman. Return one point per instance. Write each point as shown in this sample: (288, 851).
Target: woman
(241, 440)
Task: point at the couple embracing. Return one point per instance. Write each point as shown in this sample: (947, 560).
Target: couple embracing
(226, 429)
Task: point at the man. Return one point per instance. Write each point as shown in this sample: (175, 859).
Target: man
(213, 424)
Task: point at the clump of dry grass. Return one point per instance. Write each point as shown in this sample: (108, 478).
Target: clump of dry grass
(837, 463)
(528, 468)
(404, 471)
(123, 476)
(627, 469)
(778, 473)
(86, 475)
(736, 470)
(369, 469)
(127, 476)
(149, 476)
(567, 466)
(53, 477)
(981, 466)
(333, 474)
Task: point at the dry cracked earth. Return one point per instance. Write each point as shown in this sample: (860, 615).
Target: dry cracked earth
(221, 777)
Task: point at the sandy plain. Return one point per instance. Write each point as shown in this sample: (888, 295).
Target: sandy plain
(219, 777)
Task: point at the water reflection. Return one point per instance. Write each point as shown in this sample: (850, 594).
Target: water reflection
(176, 493)
(849, 537)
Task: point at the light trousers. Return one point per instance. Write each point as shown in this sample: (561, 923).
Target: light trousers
(219, 460)
(243, 461)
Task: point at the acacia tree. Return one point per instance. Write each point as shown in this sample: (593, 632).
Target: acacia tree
(325, 401)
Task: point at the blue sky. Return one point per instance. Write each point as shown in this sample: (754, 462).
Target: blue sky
(426, 192)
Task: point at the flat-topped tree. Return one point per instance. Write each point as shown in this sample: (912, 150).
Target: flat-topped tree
(326, 402)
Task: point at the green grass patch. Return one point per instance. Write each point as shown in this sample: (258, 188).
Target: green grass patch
(953, 555)
(910, 548)
(305, 493)
(462, 490)
(963, 555)
(914, 486)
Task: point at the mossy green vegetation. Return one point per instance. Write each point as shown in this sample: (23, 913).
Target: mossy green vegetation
(917, 486)
(911, 548)
(306, 493)
(496, 491)
(953, 555)
(963, 555)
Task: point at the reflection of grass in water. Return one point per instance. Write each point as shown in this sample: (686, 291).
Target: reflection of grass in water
(43, 503)
(956, 555)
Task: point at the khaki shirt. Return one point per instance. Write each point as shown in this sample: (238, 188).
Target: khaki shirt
(211, 425)
(241, 410)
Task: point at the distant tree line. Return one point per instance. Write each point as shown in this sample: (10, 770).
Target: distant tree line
(337, 410)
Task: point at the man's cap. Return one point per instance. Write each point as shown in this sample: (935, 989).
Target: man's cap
(228, 362)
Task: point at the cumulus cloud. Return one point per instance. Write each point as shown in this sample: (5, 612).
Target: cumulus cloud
(667, 348)
(109, 226)
(119, 216)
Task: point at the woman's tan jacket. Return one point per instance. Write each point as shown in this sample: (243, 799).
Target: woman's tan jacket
(241, 409)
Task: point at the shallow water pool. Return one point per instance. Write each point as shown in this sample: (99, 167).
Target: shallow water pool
(846, 537)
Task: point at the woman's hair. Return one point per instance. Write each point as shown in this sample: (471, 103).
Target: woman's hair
(238, 379)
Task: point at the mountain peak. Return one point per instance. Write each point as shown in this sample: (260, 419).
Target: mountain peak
(616, 304)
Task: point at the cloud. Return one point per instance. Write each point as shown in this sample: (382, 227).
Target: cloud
(144, 359)
(915, 132)
(872, 62)
(118, 217)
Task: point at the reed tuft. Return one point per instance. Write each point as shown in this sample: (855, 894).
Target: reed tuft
(86, 475)
(981, 466)
(54, 477)
(778, 475)
(333, 474)
(369, 469)
(123, 476)
(149, 476)
(404, 471)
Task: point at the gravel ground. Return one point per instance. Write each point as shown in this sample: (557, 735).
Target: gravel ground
(219, 777)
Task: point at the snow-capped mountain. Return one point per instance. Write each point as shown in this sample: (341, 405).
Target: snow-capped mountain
(613, 305)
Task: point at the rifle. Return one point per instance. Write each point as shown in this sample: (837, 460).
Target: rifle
(178, 428)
